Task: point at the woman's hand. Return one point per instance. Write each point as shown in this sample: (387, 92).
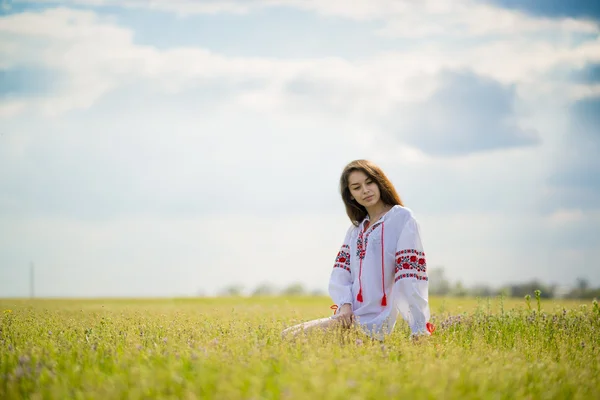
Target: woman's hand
(346, 316)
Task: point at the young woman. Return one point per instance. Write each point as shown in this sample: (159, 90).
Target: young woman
(380, 271)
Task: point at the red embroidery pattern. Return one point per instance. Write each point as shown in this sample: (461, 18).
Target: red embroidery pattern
(416, 276)
(360, 251)
(360, 247)
(343, 258)
(411, 263)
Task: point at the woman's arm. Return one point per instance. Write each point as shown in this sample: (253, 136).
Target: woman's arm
(340, 280)
(410, 280)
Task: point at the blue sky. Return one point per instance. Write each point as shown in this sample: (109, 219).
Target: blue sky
(554, 8)
(171, 148)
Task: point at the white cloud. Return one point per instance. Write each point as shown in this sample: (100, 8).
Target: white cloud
(565, 216)
(188, 133)
(403, 18)
(11, 108)
(180, 256)
(99, 56)
(153, 255)
(473, 19)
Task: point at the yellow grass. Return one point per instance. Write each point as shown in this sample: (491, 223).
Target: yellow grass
(230, 348)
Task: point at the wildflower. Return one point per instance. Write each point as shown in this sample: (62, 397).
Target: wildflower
(451, 321)
(19, 372)
(7, 311)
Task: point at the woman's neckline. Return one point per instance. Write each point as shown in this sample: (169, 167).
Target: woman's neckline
(367, 221)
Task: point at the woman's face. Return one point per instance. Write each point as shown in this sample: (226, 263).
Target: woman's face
(363, 189)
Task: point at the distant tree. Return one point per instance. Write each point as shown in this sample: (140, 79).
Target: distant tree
(582, 284)
(592, 294)
(459, 290)
(482, 291)
(529, 288)
(232, 290)
(317, 293)
(264, 289)
(504, 291)
(295, 289)
(582, 290)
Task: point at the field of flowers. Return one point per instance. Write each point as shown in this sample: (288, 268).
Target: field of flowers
(231, 348)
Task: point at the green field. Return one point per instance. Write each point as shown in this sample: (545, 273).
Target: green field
(231, 348)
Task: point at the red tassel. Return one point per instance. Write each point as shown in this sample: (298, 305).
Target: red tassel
(359, 297)
(384, 298)
(430, 327)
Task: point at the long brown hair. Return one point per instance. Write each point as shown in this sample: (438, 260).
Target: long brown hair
(389, 196)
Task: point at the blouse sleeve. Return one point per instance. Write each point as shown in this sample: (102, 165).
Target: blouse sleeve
(411, 284)
(340, 281)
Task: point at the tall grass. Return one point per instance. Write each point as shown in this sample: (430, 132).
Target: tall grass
(232, 349)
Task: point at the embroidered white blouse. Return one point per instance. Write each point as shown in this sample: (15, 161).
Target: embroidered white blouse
(382, 272)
